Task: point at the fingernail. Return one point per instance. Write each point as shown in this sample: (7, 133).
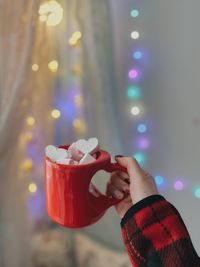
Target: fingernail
(118, 156)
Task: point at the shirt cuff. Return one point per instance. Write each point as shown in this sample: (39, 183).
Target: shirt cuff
(140, 205)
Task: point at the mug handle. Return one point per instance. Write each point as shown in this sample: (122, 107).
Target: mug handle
(102, 201)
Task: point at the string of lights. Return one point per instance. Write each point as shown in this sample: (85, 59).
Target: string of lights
(134, 94)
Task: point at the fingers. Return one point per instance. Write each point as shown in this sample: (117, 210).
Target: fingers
(142, 183)
(132, 166)
(114, 191)
(119, 181)
(117, 185)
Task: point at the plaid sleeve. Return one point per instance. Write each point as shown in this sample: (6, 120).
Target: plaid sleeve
(155, 235)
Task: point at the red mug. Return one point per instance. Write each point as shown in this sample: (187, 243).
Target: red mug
(68, 199)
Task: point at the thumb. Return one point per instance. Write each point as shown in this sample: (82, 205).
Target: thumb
(133, 168)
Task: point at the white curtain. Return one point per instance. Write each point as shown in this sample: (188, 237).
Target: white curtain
(23, 40)
(23, 92)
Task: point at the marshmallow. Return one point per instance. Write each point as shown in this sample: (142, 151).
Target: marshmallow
(87, 146)
(87, 158)
(79, 152)
(62, 154)
(55, 153)
(50, 152)
(76, 155)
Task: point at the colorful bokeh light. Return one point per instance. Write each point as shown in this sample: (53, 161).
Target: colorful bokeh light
(133, 92)
(140, 157)
(179, 185)
(133, 74)
(134, 13)
(143, 143)
(142, 128)
(159, 180)
(137, 55)
(197, 192)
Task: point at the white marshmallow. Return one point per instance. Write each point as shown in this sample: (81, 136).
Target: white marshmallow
(62, 153)
(87, 158)
(87, 146)
(50, 152)
(55, 153)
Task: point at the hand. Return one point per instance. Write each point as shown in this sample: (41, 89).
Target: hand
(136, 181)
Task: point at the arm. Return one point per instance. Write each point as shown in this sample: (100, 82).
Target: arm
(152, 229)
(155, 235)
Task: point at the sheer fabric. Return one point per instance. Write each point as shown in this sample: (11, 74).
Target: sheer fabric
(23, 41)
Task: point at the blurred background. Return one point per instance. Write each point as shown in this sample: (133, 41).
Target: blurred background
(126, 72)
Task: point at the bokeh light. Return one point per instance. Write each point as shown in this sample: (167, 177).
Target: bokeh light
(77, 35)
(78, 100)
(133, 92)
(159, 180)
(28, 137)
(53, 65)
(178, 185)
(134, 13)
(35, 67)
(32, 188)
(135, 110)
(30, 120)
(55, 113)
(72, 41)
(75, 38)
(140, 157)
(197, 192)
(142, 128)
(137, 55)
(143, 143)
(79, 125)
(51, 12)
(133, 74)
(27, 165)
(135, 35)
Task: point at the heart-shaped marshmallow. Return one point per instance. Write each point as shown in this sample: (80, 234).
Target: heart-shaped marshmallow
(62, 153)
(87, 146)
(87, 158)
(55, 153)
(50, 152)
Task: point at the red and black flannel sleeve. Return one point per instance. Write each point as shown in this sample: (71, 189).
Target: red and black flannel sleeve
(156, 236)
